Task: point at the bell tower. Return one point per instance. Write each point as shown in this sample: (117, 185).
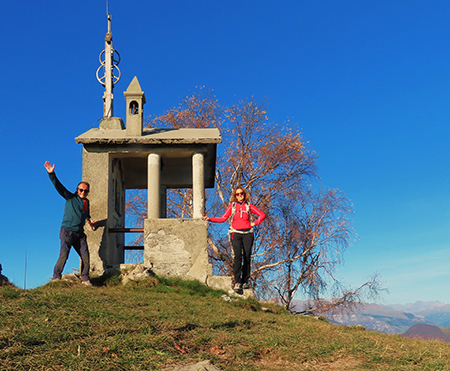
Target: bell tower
(135, 100)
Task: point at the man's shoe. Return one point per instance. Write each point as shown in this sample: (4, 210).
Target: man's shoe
(86, 283)
(238, 288)
(246, 286)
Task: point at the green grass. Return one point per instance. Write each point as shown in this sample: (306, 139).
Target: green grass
(153, 324)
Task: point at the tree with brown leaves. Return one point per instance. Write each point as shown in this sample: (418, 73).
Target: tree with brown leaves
(299, 246)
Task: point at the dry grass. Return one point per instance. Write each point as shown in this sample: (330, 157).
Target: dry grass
(150, 326)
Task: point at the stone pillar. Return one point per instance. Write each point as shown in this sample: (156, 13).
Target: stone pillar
(153, 183)
(96, 171)
(198, 185)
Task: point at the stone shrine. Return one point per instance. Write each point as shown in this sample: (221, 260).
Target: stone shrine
(118, 156)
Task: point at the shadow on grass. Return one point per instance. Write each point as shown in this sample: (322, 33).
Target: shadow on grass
(226, 325)
(187, 327)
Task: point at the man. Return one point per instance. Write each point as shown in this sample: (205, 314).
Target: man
(76, 213)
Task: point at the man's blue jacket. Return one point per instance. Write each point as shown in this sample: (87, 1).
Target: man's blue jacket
(74, 217)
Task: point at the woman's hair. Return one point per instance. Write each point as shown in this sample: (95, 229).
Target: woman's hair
(246, 195)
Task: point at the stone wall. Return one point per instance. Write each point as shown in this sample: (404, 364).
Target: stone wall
(107, 202)
(177, 248)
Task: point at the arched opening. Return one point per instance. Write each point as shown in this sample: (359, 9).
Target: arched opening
(134, 107)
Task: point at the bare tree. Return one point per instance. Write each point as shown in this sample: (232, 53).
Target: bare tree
(301, 243)
(311, 232)
(347, 299)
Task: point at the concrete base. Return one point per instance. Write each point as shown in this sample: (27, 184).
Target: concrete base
(220, 283)
(111, 123)
(177, 248)
(225, 283)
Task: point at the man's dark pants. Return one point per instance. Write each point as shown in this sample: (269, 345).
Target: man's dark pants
(78, 241)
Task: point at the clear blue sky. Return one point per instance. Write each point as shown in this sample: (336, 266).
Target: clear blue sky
(367, 83)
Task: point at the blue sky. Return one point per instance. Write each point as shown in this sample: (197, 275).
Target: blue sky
(367, 83)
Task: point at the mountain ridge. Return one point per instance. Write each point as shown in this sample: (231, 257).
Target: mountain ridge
(391, 318)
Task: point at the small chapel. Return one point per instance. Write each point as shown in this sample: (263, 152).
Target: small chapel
(121, 155)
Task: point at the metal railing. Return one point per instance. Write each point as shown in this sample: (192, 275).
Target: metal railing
(128, 230)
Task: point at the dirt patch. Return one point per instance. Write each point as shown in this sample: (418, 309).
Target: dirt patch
(347, 363)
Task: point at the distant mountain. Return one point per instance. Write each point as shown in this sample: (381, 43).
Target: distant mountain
(378, 318)
(374, 317)
(435, 312)
(417, 306)
(427, 332)
(393, 318)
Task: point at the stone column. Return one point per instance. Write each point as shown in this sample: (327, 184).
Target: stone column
(153, 174)
(96, 171)
(198, 185)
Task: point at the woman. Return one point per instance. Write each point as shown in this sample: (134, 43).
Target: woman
(241, 232)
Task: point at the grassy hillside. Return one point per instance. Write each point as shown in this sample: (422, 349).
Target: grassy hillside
(155, 324)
